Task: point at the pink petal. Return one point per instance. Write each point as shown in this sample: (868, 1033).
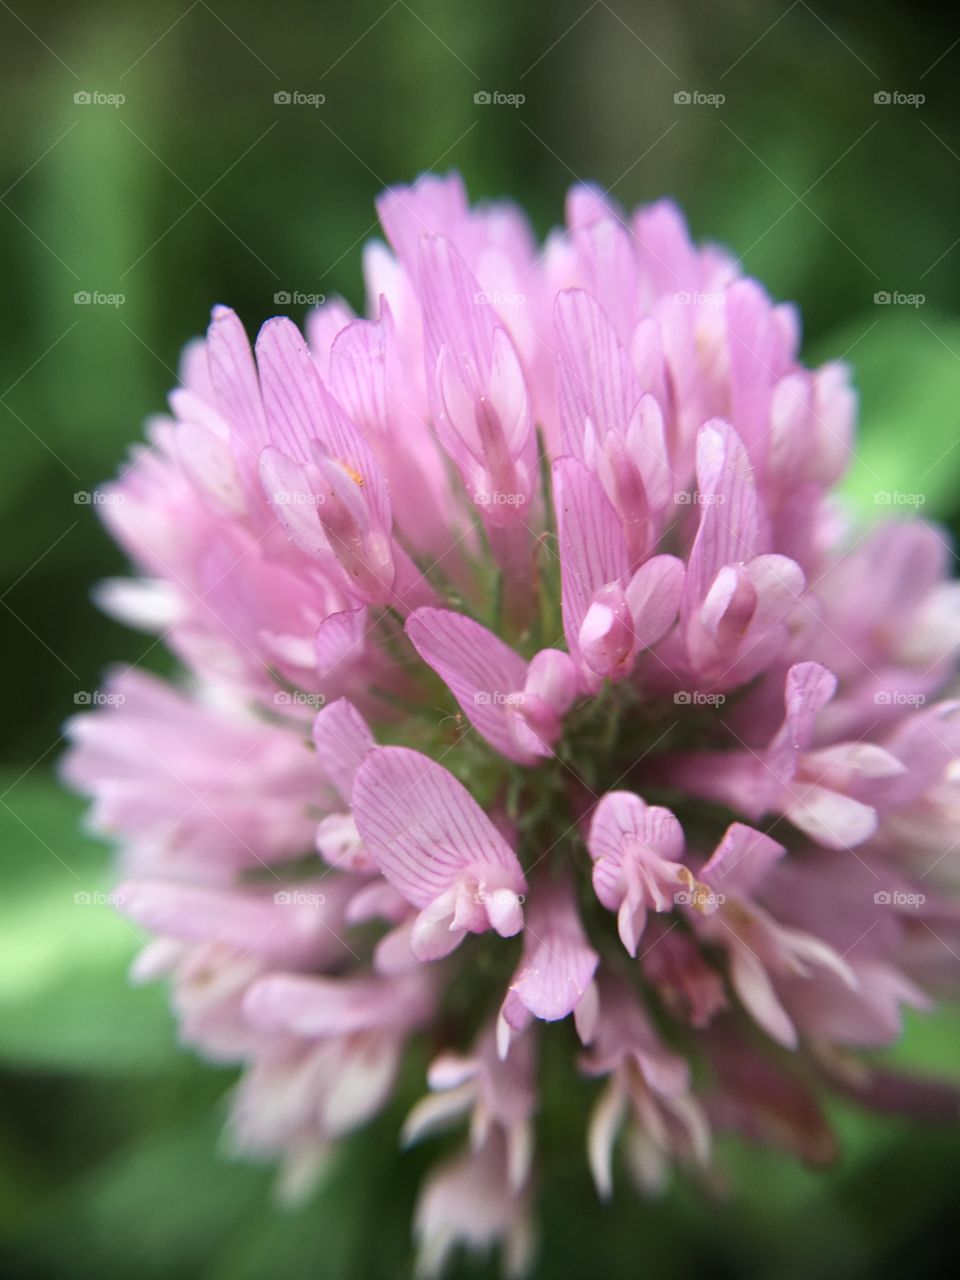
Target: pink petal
(592, 549)
(606, 641)
(290, 491)
(358, 373)
(234, 378)
(558, 963)
(478, 668)
(552, 677)
(478, 392)
(338, 843)
(809, 687)
(315, 1007)
(754, 345)
(606, 1122)
(342, 738)
(300, 410)
(435, 934)
(730, 530)
(321, 326)
(454, 315)
(620, 814)
(587, 203)
(834, 820)
(597, 388)
(653, 598)
(631, 919)
(508, 392)
(609, 259)
(741, 861)
(207, 456)
(339, 641)
(669, 257)
(377, 900)
(752, 984)
(423, 827)
(623, 830)
(647, 446)
(284, 929)
(431, 206)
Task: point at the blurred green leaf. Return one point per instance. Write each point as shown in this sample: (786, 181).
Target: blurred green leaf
(65, 1002)
(906, 366)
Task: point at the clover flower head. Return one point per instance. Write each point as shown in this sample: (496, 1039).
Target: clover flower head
(535, 687)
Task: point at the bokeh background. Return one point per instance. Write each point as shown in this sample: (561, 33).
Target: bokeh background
(200, 187)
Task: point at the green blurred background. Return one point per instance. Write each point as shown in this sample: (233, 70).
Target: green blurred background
(200, 188)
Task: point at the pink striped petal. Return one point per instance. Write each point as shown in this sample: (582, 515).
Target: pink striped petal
(454, 315)
(321, 326)
(479, 669)
(635, 849)
(597, 389)
(609, 259)
(592, 549)
(755, 347)
(478, 390)
(435, 844)
(621, 814)
(558, 962)
(731, 529)
(342, 738)
(301, 410)
(233, 375)
(431, 206)
(358, 373)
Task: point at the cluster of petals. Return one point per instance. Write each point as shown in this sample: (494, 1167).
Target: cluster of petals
(549, 521)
